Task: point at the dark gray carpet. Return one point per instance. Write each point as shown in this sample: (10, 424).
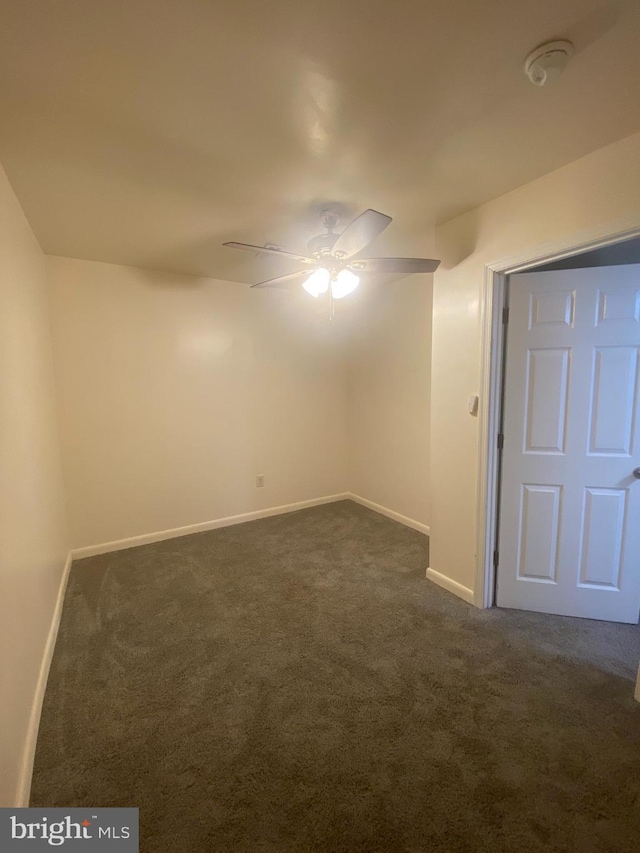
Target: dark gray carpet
(297, 684)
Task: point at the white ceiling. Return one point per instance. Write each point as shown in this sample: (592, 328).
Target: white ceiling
(147, 132)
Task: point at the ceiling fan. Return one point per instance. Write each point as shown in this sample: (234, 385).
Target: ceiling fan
(331, 264)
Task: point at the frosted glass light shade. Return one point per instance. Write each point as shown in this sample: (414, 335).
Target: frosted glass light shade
(344, 284)
(317, 282)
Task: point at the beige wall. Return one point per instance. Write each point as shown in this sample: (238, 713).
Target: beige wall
(389, 393)
(176, 391)
(33, 531)
(594, 196)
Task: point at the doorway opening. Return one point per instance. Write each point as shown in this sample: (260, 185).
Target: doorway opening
(617, 250)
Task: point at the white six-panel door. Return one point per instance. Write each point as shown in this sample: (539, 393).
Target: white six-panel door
(570, 504)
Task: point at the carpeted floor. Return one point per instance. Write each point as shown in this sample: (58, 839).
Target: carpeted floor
(296, 684)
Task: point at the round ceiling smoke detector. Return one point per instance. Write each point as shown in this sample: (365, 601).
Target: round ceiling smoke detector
(548, 61)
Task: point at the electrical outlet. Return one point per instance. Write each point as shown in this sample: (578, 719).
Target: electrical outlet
(259, 481)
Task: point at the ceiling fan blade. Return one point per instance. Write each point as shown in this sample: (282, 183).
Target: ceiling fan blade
(269, 250)
(394, 265)
(281, 281)
(360, 233)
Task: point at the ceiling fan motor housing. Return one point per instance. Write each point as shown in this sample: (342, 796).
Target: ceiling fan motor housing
(322, 244)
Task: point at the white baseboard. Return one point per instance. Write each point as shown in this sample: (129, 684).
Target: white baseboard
(451, 586)
(147, 538)
(403, 519)
(23, 790)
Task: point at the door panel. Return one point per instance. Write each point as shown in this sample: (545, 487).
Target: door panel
(603, 527)
(570, 506)
(612, 400)
(545, 416)
(618, 303)
(552, 308)
(539, 522)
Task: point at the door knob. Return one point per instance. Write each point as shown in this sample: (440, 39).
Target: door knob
(636, 473)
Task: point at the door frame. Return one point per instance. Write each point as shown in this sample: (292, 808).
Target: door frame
(492, 338)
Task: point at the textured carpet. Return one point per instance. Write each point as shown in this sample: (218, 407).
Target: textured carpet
(296, 684)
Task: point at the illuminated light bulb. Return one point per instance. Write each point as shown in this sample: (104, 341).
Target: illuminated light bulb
(317, 283)
(344, 284)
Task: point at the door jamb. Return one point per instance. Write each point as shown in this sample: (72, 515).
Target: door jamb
(492, 338)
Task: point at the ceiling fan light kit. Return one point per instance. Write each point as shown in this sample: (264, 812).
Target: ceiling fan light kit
(317, 282)
(333, 257)
(344, 284)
